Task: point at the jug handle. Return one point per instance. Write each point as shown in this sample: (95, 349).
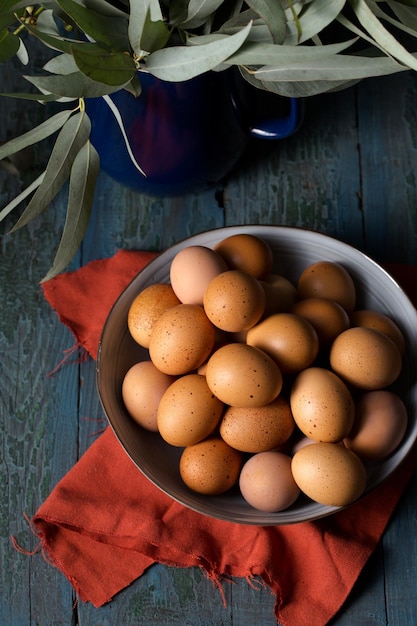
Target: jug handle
(280, 127)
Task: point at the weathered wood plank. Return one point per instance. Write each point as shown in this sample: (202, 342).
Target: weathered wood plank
(388, 149)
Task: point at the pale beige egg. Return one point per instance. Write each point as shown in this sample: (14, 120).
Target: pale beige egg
(266, 482)
(191, 271)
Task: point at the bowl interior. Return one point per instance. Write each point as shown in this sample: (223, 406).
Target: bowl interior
(293, 250)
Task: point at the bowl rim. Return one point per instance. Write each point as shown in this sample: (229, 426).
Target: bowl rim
(316, 510)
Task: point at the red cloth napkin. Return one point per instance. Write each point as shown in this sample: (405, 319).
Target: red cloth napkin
(104, 524)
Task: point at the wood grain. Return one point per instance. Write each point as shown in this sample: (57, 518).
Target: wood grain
(350, 172)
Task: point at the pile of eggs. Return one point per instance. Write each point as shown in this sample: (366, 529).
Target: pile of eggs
(272, 387)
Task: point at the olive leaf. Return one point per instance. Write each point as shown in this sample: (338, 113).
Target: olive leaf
(252, 53)
(198, 11)
(147, 31)
(274, 16)
(313, 19)
(40, 132)
(382, 36)
(110, 31)
(82, 183)
(111, 69)
(332, 68)
(75, 85)
(185, 62)
(72, 137)
(9, 45)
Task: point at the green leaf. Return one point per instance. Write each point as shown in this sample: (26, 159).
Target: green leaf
(274, 16)
(185, 62)
(73, 135)
(75, 85)
(334, 68)
(9, 45)
(314, 18)
(44, 130)
(147, 30)
(83, 178)
(296, 89)
(270, 54)
(50, 97)
(381, 35)
(198, 11)
(406, 14)
(103, 67)
(110, 31)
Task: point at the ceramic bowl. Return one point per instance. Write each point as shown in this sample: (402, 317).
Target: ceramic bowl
(293, 249)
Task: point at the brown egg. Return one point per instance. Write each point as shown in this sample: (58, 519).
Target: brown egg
(146, 308)
(247, 253)
(281, 294)
(379, 321)
(210, 467)
(234, 301)
(328, 473)
(366, 358)
(191, 271)
(266, 482)
(188, 411)
(322, 405)
(142, 389)
(257, 429)
(181, 340)
(289, 339)
(327, 279)
(240, 375)
(327, 317)
(380, 425)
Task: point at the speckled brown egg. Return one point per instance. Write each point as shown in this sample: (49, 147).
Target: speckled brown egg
(188, 411)
(191, 271)
(322, 405)
(380, 425)
(246, 252)
(146, 308)
(366, 358)
(328, 473)
(379, 321)
(210, 467)
(243, 376)
(234, 301)
(142, 389)
(327, 279)
(290, 340)
(266, 482)
(257, 429)
(327, 317)
(181, 340)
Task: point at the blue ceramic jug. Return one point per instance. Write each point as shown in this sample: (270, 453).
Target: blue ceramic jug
(184, 136)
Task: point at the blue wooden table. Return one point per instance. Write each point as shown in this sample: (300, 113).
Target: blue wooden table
(351, 172)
